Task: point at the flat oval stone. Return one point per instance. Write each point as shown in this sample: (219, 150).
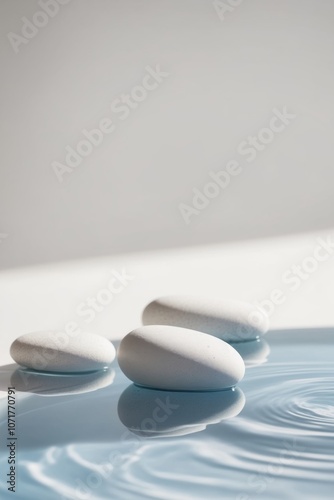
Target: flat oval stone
(60, 352)
(232, 321)
(173, 358)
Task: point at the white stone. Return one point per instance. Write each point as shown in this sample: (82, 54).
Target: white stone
(172, 358)
(60, 352)
(232, 321)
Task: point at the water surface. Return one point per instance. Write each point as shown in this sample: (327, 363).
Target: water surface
(271, 438)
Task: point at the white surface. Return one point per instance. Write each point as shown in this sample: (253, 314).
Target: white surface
(47, 297)
(226, 76)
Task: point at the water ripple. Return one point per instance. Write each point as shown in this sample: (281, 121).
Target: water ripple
(296, 399)
(279, 446)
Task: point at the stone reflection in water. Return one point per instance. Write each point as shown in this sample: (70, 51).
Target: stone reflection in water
(49, 384)
(253, 352)
(155, 413)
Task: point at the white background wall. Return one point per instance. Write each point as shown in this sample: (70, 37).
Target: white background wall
(225, 78)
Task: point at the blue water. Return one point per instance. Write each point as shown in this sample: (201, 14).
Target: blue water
(100, 437)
